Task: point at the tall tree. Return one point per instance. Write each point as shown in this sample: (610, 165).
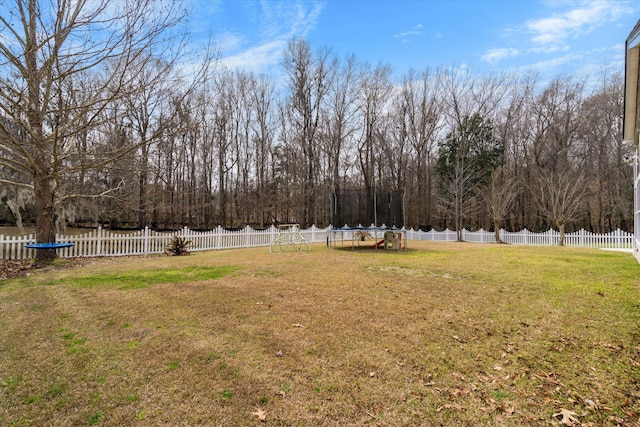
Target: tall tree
(466, 160)
(309, 80)
(560, 197)
(421, 117)
(340, 125)
(499, 195)
(557, 121)
(46, 46)
(150, 102)
(600, 155)
(376, 88)
(263, 100)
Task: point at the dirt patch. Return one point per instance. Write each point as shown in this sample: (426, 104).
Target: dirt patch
(10, 269)
(13, 268)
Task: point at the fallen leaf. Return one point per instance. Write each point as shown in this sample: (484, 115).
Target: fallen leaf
(451, 406)
(591, 405)
(372, 374)
(458, 391)
(568, 417)
(260, 414)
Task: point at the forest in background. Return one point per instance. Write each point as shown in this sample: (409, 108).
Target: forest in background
(226, 147)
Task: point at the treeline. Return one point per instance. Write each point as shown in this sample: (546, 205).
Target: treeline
(469, 150)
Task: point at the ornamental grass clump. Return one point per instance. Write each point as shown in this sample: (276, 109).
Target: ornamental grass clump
(178, 246)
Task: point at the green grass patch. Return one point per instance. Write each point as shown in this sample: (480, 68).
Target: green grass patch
(137, 279)
(442, 334)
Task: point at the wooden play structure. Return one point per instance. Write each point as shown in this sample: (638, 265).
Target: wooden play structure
(367, 220)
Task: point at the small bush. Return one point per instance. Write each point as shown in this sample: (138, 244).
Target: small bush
(178, 246)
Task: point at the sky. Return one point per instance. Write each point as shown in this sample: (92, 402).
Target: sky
(551, 37)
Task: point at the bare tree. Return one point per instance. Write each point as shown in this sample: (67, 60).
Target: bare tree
(309, 81)
(263, 100)
(376, 89)
(340, 125)
(557, 121)
(600, 154)
(457, 192)
(149, 104)
(46, 46)
(513, 124)
(499, 196)
(421, 117)
(560, 197)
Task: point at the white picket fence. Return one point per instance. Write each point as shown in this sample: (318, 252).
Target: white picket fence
(614, 240)
(101, 242)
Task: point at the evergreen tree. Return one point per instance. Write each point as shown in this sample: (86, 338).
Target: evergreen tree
(466, 159)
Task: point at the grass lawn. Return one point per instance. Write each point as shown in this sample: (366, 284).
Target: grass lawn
(450, 334)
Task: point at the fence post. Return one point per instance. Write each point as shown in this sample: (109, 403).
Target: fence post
(617, 234)
(218, 234)
(145, 241)
(99, 242)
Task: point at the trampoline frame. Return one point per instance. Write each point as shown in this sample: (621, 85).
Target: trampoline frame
(375, 238)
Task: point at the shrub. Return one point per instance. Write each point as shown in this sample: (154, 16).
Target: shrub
(178, 246)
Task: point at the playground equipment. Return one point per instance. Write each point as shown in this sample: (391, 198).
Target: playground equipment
(384, 210)
(289, 237)
(367, 238)
(392, 240)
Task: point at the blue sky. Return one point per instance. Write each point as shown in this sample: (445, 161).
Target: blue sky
(552, 37)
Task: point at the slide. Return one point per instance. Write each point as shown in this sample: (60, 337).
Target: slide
(379, 244)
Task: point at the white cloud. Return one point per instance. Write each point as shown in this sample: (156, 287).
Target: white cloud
(560, 40)
(554, 63)
(406, 35)
(495, 55)
(258, 58)
(554, 31)
(228, 42)
(278, 22)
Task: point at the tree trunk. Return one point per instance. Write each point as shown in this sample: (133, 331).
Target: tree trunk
(45, 220)
(561, 241)
(497, 231)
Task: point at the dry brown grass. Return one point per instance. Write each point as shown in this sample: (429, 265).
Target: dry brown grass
(443, 334)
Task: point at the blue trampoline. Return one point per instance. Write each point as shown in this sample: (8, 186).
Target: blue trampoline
(52, 245)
